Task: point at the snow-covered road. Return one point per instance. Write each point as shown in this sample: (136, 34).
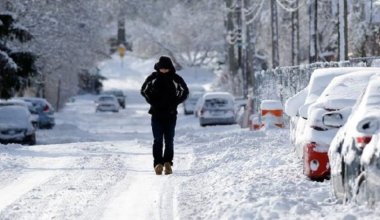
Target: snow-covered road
(99, 166)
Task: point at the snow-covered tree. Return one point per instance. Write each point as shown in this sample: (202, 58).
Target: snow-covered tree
(16, 66)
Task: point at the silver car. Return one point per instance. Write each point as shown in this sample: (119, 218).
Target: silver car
(217, 108)
(16, 125)
(107, 103)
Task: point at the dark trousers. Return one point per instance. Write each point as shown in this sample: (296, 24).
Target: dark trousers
(163, 128)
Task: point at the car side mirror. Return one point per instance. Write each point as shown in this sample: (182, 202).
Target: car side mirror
(333, 120)
(369, 125)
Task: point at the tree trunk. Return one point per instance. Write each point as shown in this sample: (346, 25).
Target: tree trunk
(295, 35)
(342, 33)
(274, 26)
(313, 29)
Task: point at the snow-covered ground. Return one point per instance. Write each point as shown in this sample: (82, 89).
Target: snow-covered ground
(99, 166)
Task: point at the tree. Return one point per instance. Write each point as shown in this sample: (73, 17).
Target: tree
(16, 67)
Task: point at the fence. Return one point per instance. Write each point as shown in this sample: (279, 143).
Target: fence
(284, 82)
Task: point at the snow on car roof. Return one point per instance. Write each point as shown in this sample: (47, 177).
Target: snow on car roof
(371, 98)
(13, 113)
(295, 102)
(344, 90)
(320, 79)
(211, 95)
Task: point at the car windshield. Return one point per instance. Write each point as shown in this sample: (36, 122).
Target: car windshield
(106, 98)
(14, 115)
(216, 103)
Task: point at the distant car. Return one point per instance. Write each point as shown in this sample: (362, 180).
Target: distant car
(217, 108)
(119, 94)
(27, 105)
(348, 144)
(107, 103)
(16, 126)
(191, 101)
(340, 94)
(44, 110)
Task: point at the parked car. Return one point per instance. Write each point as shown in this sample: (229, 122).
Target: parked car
(347, 146)
(367, 185)
(191, 101)
(340, 94)
(217, 108)
(16, 126)
(44, 110)
(106, 103)
(27, 105)
(119, 94)
(297, 106)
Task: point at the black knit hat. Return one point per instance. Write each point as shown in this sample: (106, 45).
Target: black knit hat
(164, 63)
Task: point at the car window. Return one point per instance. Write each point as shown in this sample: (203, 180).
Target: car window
(106, 98)
(12, 115)
(216, 103)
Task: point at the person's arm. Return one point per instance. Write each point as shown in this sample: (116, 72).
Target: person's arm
(147, 89)
(182, 90)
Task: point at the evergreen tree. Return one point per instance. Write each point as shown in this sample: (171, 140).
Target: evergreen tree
(16, 67)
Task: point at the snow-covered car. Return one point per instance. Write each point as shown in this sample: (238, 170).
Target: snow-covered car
(16, 126)
(44, 110)
(340, 94)
(27, 105)
(107, 103)
(217, 108)
(367, 182)
(119, 94)
(191, 101)
(297, 106)
(347, 146)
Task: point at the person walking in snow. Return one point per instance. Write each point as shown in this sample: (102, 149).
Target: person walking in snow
(164, 90)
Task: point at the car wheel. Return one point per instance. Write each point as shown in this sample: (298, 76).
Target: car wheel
(31, 139)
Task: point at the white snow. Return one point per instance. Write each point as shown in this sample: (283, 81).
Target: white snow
(271, 105)
(99, 166)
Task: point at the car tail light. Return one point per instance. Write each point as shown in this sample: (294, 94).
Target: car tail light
(202, 111)
(318, 128)
(311, 145)
(46, 108)
(363, 141)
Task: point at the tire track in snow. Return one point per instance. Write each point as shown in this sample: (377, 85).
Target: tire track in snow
(70, 193)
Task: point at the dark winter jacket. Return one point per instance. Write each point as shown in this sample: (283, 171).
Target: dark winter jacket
(164, 92)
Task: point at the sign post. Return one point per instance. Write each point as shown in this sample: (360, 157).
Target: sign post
(121, 51)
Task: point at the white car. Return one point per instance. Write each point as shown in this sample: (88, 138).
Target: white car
(16, 126)
(107, 103)
(191, 101)
(347, 146)
(217, 108)
(27, 105)
(367, 185)
(340, 94)
(297, 106)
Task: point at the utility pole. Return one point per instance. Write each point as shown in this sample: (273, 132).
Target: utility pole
(342, 33)
(231, 35)
(274, 26)
(244, 43)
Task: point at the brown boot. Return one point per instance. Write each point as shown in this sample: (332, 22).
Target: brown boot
(158, 168)
(168, 168)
